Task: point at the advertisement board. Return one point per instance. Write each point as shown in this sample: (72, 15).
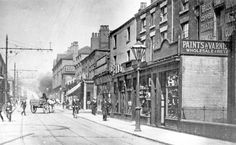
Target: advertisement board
(203, 47)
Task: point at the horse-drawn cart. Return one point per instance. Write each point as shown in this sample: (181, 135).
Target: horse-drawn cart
(39, 103)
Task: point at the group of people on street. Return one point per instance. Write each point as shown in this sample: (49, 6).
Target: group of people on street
(105, 107)
(8, 109)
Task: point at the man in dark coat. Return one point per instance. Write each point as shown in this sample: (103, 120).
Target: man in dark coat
(105, 108)
(94, 106)
(23, 105)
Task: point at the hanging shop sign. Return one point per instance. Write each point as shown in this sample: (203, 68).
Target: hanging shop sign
(203, 47)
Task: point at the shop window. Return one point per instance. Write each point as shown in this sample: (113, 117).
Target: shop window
(115, 87)
(121, 85)
(129, 111)
(172, 94)
(154, 78)
(128, 83)
(134, 83)
(145, 95)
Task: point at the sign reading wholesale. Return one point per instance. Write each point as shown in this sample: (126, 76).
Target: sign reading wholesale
(203, 47)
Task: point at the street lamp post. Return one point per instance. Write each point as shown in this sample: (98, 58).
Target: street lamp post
(60, 94)
(138, 50)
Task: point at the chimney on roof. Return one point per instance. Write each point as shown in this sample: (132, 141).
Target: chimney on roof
(143, 5)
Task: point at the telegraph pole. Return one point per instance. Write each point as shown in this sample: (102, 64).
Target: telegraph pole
(6, 65)
(6, 82)
(14, 82)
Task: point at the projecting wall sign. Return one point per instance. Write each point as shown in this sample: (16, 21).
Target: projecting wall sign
(202, 47)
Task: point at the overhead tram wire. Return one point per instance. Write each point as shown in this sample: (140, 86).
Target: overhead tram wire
(22, 48)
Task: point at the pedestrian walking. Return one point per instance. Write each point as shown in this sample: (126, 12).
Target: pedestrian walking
(94, 106)
(105, 108)
(63, 104)
(67, 104)
(23, 105)
(1, 106)
(75, 107)
(9, 110)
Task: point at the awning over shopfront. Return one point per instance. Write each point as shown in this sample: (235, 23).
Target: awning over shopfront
(72, 90)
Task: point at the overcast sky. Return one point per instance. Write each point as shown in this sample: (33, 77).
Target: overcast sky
(35, 23)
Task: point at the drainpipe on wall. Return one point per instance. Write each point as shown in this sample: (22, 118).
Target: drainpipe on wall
(172, 21)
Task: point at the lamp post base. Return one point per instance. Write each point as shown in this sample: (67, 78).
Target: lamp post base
(137, 120)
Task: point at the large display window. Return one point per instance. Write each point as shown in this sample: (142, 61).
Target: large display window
(172, 97)
(169, 81)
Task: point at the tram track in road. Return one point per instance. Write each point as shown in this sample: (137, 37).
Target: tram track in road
(75, 133)
(85, 126)
(45, 126)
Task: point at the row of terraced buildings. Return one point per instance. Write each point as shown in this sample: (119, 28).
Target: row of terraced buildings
(187, 76)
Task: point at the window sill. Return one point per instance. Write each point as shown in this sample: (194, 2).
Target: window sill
(143, 31)
(162, 22)
(151, 27)
(183, 11)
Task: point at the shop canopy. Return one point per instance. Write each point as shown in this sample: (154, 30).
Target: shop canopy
(72, 90)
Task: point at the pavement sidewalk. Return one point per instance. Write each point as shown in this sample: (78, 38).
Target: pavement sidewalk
(153, 133)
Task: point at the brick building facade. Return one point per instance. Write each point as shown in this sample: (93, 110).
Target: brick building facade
(184, 75)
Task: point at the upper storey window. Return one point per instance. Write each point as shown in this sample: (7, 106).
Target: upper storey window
(164, 13)
(185, 31)
(115, 41)
(184, 5)
(143, 24)
(128, 35)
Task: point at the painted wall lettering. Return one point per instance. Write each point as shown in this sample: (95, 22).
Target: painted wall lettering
(204, 47)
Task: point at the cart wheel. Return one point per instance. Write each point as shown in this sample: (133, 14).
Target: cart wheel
(33, 108)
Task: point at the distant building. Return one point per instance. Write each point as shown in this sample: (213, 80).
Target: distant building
(64, 70)
(121, 61)
(90, 66)
(86, 65)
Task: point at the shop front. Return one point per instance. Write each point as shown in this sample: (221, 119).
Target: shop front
(154, 109)
(103, 88)
(189, 86)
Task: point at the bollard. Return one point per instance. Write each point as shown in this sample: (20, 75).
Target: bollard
(137, 123)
